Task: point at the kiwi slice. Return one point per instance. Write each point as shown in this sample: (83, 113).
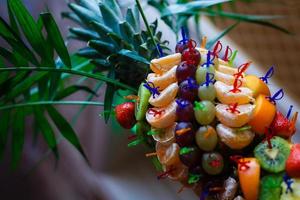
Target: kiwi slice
(141, 105)
(273, 159)
(270, 187)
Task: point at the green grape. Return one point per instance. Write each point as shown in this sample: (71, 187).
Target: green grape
(212, 163)
(201, 73)
(205, 112)
(206, 138)
(207, 92)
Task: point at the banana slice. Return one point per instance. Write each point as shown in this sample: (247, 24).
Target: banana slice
(234, 119)
(162, 117)
(233, 138)
(225, 95)
(164, 80)
(165, 97)
(164, 64)
(227, 78)
(227, 70)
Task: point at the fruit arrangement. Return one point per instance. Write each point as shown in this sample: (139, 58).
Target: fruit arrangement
(213, 127)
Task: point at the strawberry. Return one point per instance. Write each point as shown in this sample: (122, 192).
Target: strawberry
(125, 114)
(293, 162)
(282, 126)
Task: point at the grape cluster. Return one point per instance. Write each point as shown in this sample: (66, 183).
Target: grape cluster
(195, 107)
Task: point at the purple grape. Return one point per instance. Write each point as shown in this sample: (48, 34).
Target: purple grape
(188, 90)
(185, 110)
(180, 47)
(187, 138)
(196, 170)
(190, 156)
(185, 70)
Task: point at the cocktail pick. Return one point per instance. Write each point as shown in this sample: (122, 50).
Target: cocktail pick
(151, 87)
(209, 78)
(276, 97)
(288, 181)
(268, 75)
(228, 54)
(161, 53)
(155, 112)
(269, 134)
(289, 112)
(241, 69)
(233, 108)
(209, 60)
(232, 58)
(236, 85)
(217, 49)
(239, 160)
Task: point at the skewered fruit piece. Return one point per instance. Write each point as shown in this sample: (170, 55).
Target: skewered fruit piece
(184, 111)
(226, 96)
(178, 172)
(185, 70)
(164, 64)
(190, 156)
(125, 115)
(234, 118)
(141, 105)
(235, 138)
(207, 92)
(227, 70)
(287, 194)
(165, 97)
(162, 117)
(273, 159)
(263, 114)
(184, 134)
(230, 189)
(249, 176)
(257, 86)
(168, 154)
(188, 90)
(164, 80)
(270, 187)
(206, 138)
(293, 162)
(212, 163)
(284, 127)
(201, 73)
(227, 78)
(164, 136)
(205, 112)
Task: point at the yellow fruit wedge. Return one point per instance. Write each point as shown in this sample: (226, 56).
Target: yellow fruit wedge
(257, 86)
(227, 78)
(234, 138)
(249, 178)
(223, 62)
(226, 96)
(168, 154)
(227, 70)
(167, 136)
(287, 194)
(164, 80)
(263, 114)
(162, 117)
(164, 64)
(234, 119)
(165, 97)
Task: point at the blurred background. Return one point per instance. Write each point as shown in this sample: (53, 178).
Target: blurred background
(110, 176)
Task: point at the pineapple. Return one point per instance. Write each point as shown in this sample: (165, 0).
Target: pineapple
(115, 42)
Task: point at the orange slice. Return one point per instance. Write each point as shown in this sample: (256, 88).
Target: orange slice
(263, 114)
(257, 86)
(164, 80)
(162, 117)
(164, 64)
(228, 79)
(165, 97)
(249, 178)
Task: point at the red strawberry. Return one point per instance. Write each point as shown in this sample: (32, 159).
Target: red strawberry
(293, 162)
(282, 126)
(125, 114)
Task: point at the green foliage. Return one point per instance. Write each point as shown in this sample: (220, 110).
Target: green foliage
(176, 15)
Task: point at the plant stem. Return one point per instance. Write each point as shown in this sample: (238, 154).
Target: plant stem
(38, 103)
(70, 71)
(147, 25)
